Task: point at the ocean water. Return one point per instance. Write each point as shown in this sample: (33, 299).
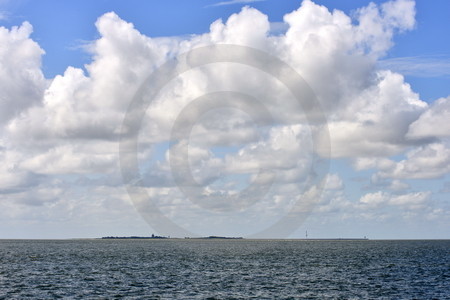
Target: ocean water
(224, 269)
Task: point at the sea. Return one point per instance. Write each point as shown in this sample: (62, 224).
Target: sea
(224, 269)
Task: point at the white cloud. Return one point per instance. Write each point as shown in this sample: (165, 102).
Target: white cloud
(72, 160)
(287, 147)
(231, 2)
(334, 182)
(407, 201)
(365, 163)
(22, 83)
(413, 199)
(374, 199)
(418, 66)
(429, 161)
(376, 122)
(397, 185)
(249, 27)
(3, 15)
(433, 123)
(12, 177)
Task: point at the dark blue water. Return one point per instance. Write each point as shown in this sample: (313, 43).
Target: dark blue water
(223, 269)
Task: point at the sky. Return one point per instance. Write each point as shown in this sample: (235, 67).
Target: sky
(240, 118)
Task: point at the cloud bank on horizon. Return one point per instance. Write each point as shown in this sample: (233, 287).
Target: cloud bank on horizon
(59, 136)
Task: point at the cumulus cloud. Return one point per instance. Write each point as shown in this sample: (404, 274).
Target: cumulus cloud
(429, 161)
(71, 160)
(22, 83)
(377, 121)
(397, 185)
(408, 201)
(334, 182)
(432, 123)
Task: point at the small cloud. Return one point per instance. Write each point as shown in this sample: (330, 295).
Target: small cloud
(397, 185)
(83, 45)
(4, 16)
(418, 66)
(231, 2)
(334, 182)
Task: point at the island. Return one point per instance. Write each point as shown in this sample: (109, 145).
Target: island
(134, 237)
(216, 237)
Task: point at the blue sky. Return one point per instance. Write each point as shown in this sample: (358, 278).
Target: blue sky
(62, 112)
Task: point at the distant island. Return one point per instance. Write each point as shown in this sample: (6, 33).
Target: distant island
(168, 237)
(216, 237)
(134, 237)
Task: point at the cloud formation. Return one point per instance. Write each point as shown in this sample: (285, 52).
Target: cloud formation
(22, 83)
(3, 15)
(231, 2)
(418, 66)
(63, 132)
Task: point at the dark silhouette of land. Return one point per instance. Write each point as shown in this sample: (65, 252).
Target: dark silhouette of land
(216, 237)
(212, 237)
(135, 237)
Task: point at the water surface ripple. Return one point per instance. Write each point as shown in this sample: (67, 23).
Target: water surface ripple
(224, 269)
